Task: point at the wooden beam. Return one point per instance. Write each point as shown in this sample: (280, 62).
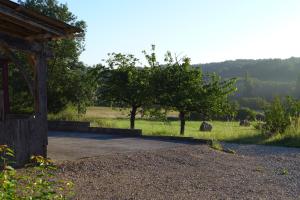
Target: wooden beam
(39, 37)
(9, 23)
(23, 20)
(19, 43)
(15, 33)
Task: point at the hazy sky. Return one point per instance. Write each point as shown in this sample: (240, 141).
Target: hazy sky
(204, 30)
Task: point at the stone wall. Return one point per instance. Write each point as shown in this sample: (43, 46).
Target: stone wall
(26, 137)
(74, 126)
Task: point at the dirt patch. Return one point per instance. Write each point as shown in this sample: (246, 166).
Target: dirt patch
(189, 172)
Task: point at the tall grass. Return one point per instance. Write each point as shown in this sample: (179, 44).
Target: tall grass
(69, 114)
(291, 137)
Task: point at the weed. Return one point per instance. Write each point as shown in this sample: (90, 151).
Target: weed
(229, 151)
(284, 171)
(259, 169)
(37, 183)
(216, 145)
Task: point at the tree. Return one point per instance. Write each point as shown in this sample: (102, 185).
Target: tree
(277, 117)
(180, 86)
(212, 100)
(84, 87)
(175, 85)
(64, 70)
(124, 84)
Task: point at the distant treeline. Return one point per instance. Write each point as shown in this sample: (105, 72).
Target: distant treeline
(259, 81)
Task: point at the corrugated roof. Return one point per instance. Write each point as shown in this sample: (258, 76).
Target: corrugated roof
(21, 22)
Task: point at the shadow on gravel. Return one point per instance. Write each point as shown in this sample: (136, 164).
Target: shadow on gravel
(80, 135)
(262, 150)
(248, 140)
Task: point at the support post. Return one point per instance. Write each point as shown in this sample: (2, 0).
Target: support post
(41, 98)
(5, 86)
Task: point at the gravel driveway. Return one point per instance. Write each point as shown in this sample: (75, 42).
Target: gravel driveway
(188, 172)
(73, 146)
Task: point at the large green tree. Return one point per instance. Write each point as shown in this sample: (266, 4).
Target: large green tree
(175, 85)
(212, 100)
(182, 87)
(65, 73)
(125, 84)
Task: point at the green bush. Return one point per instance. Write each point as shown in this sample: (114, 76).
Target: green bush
(104, 123)
(69, 114)
(277, 118)
(35, 183)
(258, 126)
(245, 113)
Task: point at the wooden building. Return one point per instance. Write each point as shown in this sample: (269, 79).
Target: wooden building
(24, 30)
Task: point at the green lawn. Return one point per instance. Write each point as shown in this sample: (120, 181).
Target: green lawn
(222, 131)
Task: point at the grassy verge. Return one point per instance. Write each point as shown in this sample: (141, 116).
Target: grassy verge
(222, 131)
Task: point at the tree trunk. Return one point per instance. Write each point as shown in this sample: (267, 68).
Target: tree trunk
(132, 116)
(182, 122)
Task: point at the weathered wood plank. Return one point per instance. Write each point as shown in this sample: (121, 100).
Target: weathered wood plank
(22, 20)
(23, 137)
(19, 44)
(41, 93)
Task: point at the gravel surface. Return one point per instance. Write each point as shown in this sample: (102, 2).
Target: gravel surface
(189, 172)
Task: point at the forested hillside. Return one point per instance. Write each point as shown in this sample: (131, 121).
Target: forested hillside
(276, 70)
(260, 80)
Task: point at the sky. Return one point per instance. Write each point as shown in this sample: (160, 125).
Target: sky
(204, 30)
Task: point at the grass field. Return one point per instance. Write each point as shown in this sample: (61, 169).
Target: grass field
(222, 131)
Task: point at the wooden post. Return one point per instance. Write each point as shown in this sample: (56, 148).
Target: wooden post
(41, 97)
(4, 64)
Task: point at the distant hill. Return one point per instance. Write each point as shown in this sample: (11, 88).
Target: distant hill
(266, 78)
(275, 70)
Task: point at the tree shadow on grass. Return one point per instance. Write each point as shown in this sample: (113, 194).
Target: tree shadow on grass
(255, 139)
(285, 141)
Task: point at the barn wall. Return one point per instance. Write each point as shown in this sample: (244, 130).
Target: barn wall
(26, 136)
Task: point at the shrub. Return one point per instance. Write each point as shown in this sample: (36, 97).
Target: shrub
(259, 126)
(104, 123)
(277, 118)
(260, 117)
(37, 183)
(216, 145)
(69, 114)
(245, 113)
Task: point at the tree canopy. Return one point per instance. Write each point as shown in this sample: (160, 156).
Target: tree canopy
(125, 84)
(66, 75)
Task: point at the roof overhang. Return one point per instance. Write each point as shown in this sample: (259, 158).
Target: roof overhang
(27, 25)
